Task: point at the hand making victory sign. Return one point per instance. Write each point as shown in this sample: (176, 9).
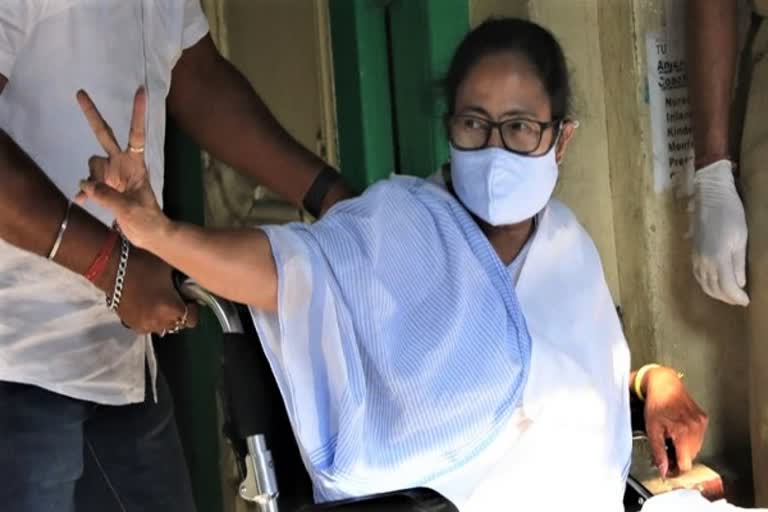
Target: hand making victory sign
(120, 182)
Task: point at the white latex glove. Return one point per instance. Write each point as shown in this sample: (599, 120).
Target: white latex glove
(719, 234)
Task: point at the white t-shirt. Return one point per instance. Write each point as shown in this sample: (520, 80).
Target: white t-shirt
(55, 330)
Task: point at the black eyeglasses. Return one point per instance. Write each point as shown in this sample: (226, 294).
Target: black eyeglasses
(519, 135)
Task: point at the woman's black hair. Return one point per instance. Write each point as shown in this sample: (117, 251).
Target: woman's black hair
(528, 39)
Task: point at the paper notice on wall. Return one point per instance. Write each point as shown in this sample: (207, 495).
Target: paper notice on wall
(673, 158)
(671, 131)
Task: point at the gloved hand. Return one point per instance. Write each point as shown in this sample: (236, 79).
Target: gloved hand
(719, 235)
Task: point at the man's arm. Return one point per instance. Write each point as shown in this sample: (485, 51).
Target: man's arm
(218, 108)
(712, 41)
(719, 225)
(31, 211)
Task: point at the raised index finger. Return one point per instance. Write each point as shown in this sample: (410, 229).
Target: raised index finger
(100, 128)
(136, 136)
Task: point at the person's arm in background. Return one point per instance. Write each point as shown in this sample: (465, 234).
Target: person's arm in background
(214, 103)
(31, 211)
(670, 413)
(712, 57)
(719, 224)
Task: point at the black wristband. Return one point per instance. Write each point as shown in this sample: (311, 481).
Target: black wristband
(313, 199)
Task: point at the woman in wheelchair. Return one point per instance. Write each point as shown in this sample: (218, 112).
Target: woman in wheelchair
(455, 333)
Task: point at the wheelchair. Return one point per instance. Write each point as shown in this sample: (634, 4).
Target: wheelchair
(257, 428)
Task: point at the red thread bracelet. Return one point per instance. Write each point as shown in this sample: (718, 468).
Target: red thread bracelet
(100, 263)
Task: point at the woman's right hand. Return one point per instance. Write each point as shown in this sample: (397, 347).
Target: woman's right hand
(671, 413)
(120, 182)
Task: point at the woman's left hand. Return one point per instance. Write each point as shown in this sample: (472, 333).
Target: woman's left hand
(120, 182)
(671, 413)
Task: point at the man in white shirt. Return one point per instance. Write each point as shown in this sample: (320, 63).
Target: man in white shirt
(80, 428)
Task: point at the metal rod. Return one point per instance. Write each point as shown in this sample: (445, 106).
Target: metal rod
(260, 483)
(264, 473)
(225, 311)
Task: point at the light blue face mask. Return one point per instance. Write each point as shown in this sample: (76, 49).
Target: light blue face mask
(502, 187)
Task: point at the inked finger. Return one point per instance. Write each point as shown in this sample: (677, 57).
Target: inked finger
(681, 440)
(658, 450)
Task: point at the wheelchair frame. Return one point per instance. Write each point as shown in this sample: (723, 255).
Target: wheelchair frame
(246, 429)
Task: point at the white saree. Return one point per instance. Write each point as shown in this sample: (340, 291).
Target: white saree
(407, 356)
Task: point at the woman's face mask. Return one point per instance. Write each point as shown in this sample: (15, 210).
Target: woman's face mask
(502, 187)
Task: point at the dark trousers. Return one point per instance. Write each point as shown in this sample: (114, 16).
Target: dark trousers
(59, 454)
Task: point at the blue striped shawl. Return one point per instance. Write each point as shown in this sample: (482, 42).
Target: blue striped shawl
(399, 345)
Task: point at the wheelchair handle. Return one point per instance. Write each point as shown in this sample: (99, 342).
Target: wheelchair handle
(240, 389)
(226, 312)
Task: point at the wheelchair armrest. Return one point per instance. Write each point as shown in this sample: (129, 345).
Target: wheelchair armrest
(409, 500)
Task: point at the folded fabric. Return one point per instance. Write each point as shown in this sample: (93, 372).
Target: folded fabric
(399, 346)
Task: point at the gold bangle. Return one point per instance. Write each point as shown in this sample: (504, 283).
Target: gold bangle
(637, 385)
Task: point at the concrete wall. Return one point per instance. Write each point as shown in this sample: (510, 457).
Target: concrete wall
(607, 180)
(290, 69)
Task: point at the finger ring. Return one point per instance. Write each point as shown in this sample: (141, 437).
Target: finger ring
(177, 327)
(180, 323)
(135, 150)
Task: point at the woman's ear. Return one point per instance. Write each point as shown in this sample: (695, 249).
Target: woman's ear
(566, 134)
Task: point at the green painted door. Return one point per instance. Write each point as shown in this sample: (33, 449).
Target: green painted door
(423, 37)
(189, 359)
(389, 58)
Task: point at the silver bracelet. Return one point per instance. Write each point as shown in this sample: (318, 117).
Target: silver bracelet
(114, 302)
(60, 236)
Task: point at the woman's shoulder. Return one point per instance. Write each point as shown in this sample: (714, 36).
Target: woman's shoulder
(560, 214)
(390, 192)
(559, 218)
(395, 183)
(403, 182)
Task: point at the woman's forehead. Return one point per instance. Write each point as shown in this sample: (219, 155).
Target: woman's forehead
(501, 84)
